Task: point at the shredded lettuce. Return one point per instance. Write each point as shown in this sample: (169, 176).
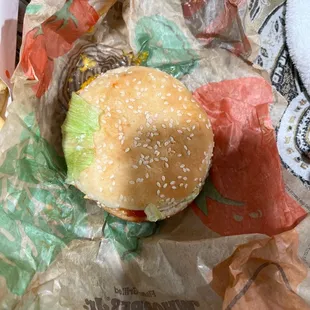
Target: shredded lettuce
(78, 130)
(153, 214)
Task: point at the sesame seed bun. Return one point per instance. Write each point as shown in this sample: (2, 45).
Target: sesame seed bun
(153, 148)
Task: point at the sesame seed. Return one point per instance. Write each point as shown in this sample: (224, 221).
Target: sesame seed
(156, 159)
(112, 176)
(186, 185)
(180, 177)
(165, 185)
(174, 187)
(184, 178)
(179, 155)
(188, 121)
(101, 189)
(166, 165)
(127, 150)
(180, 131)
(147, 175)
(131, 182)
(182, 166)
(158, 192)
(162, 196)
(113, 183)
(166, 102)
(134, 166)
(163, 125)
(148, 166)
(181, 185)
(168, 95)
(188, 153)
(185, 147)
(163, 178)
(172, 182)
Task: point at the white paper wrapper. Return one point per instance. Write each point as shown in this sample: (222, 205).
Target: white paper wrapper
(59, 251)
(8, 26)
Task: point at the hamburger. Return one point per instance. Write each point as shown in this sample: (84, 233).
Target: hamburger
(136, 141)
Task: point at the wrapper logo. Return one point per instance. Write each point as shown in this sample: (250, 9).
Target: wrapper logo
(117, 304)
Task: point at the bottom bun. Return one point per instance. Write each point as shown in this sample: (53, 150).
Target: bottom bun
(151, 213)
(127, 215)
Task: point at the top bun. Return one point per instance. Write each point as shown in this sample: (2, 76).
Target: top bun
(153, 147)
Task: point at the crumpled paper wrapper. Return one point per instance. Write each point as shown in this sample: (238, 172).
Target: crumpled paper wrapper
(230, 249)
